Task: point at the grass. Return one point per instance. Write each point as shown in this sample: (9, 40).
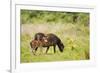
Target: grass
(74, 37)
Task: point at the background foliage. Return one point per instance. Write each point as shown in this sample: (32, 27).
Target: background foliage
(32, 17)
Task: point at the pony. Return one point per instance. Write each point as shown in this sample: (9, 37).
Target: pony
(47, 40)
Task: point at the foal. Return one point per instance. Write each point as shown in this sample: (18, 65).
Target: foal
(37, 43)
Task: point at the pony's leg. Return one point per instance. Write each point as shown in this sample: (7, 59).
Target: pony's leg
(54, 48)
(47, 49)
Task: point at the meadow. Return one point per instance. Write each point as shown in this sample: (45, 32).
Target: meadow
(71, 27)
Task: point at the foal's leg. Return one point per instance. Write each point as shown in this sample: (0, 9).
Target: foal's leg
(54, 48)
(41, 50)
(47, 49)
(33, 52)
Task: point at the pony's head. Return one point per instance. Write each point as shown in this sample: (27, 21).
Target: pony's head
(61, 47)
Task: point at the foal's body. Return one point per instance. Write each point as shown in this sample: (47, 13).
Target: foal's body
(37, 43)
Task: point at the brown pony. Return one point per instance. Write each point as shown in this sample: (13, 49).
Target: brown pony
(41, 40)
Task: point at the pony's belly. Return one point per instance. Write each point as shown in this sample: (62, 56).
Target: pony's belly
(47, 45)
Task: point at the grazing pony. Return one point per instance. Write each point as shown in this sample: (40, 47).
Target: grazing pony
(48, 40)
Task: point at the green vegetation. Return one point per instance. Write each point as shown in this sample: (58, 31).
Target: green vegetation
(71, 27)
(36, 17)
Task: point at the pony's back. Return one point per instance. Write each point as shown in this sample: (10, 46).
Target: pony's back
(39, 36)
